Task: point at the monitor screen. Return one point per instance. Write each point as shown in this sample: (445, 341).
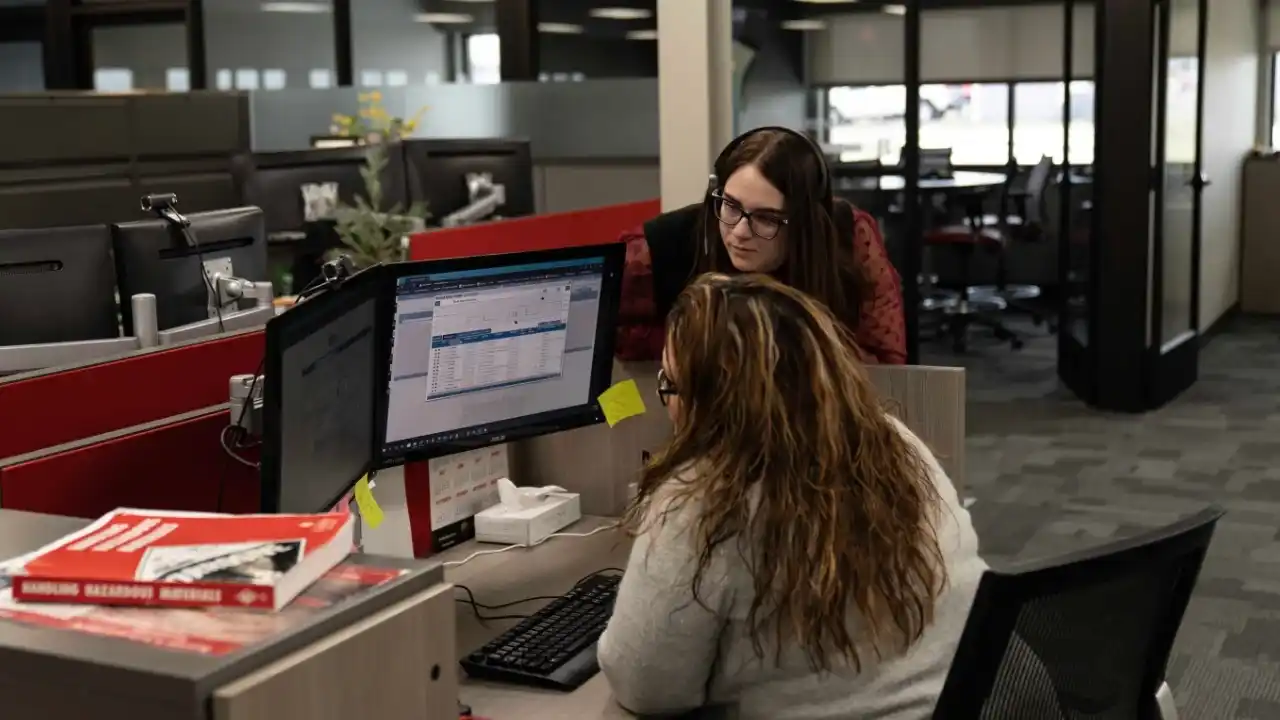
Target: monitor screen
(496, 348)
(320, 398)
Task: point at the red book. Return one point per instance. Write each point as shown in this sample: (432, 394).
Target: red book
(174, 559)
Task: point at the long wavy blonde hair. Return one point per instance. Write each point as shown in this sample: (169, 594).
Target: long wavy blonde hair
(774, 402)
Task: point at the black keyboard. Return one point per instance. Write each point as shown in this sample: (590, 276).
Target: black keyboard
(556, 646)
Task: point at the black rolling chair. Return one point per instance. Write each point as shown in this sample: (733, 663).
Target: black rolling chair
(1028, 226)
(1087, 635)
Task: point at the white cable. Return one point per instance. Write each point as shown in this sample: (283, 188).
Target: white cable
(474, 555)
(222, 438)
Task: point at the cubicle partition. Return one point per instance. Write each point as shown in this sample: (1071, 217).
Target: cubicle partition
(86, 158)
(142, 429)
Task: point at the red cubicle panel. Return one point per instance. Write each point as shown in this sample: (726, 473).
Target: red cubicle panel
(47, 409)
(539, 232)
(178, 465)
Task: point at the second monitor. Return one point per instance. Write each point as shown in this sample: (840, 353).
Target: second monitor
(497, 348)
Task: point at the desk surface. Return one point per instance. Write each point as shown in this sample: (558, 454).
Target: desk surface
(550, 569)
(100, 663)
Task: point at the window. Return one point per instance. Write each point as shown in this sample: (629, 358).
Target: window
(484, 58)
(371, 78)
(274, 79)
(177, 80)
(113, 79)
(397, 78)
(972, 120)
(293, 36)
(222, 79)
(246, 79)
(320, 79)
(1037, 121)
(868, 123)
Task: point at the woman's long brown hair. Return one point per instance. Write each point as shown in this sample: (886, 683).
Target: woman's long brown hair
(774, 401)
(819, 255)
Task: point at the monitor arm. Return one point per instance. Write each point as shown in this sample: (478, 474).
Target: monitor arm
(485, 199)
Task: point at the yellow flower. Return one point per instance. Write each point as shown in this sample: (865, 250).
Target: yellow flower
(364, 113)
(375, 96)
(364, 97)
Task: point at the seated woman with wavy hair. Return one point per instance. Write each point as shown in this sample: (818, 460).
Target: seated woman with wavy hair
(799, 553)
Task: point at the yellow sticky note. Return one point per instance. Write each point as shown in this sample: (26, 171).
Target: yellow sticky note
(621, 402)
(370, 511)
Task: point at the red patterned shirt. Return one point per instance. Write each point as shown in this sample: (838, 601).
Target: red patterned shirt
(881, 325)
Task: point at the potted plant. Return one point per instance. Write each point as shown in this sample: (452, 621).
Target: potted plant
(371, 232)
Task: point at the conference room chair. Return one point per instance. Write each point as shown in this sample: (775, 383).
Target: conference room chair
(958, 245)
(1022, 225)
(1086, 635)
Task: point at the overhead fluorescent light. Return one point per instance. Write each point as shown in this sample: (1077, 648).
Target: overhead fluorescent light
(895, 9)
(804, 25)
(444, 18)
(554, 28)
(828, 2)
(620, 13)
(642, 35)
(296, 7)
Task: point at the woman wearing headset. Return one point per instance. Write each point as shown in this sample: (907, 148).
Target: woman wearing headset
(799, 553)
(769, 209)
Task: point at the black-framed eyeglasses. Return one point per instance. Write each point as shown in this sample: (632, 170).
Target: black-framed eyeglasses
(763, 224)
(666, 388)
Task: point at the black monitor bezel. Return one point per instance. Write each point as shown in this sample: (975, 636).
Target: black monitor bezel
(614, 255)
(364, 285)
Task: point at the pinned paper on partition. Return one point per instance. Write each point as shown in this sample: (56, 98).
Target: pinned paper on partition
(621, 402)
(370, 511)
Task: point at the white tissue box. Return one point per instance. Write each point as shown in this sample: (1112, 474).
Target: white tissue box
(528, 526)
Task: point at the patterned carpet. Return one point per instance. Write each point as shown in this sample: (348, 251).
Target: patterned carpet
(1049, 475)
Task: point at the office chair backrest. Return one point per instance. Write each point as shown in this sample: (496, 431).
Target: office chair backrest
(1086, 635)
(1037, 181)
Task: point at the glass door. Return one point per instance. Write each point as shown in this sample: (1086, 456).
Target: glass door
(1174, 288)
(1068, 207)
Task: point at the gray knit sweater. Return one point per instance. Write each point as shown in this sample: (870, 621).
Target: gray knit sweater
(665, 654)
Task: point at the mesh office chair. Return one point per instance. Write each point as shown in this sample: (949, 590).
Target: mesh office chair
(1086, 635)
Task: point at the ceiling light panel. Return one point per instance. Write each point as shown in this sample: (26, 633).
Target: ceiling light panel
(620, 13)
(554, 28)
(296, 7)
(642, 35)
(895, 9)
(804, 25)
(444, 18)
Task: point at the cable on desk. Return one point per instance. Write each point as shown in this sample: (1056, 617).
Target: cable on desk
(474, 555)
(477, 606)
(470, 599)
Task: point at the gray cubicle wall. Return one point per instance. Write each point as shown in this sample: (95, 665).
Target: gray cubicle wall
(593, 142)
(84, 158)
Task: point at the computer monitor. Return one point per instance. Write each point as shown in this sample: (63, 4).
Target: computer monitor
(153, 257)
(436, 174)
(319, 398)
(935, 162)
(496, 348)
(57, 285)
(284, 184)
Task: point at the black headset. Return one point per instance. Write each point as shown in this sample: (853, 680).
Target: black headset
(714, 184)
